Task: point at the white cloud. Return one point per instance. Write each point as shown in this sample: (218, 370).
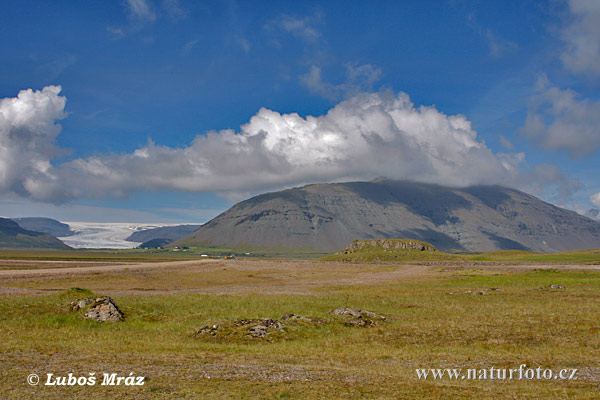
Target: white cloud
(141, 10)
(366, 136)
(359, 78)
(27, 135)
(595, 199)
(559, 120)
(303, 28)
(117, 33)
(507, 144)
(190, 45)
(548, 181)
(582, 37)
(369, 135)
(244, 44)
(140, 13)
(498, 46)
(174, 10)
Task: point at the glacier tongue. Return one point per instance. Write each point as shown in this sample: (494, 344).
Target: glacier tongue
(102, 235)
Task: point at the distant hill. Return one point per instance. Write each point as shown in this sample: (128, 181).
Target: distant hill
(165, 233)
(330, 216)
(46, 225)
(14, 237)
(154, 243)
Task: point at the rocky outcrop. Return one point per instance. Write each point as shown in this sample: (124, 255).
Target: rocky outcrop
(101, 309)
(389, 244)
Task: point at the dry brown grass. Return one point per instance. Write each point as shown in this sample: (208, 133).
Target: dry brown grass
(433, 322)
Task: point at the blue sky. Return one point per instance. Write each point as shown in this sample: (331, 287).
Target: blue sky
(172, 110)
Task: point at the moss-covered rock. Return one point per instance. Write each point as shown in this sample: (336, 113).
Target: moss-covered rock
(101, 309)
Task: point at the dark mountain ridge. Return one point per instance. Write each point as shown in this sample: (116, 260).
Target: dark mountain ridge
(45, 225)
(14, 237)
(167, 234)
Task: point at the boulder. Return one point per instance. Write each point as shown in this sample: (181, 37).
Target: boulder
(101, 309)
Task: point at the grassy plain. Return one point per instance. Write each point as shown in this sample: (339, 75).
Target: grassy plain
(434, 321)
(379, 254)
(156, 255)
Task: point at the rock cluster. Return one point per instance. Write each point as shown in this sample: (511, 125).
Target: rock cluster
(360, 317)
(265, 328)
(209, 330)
(389, 244)
(270, 329)
(101, 309)
(553, 287)
(253, 328)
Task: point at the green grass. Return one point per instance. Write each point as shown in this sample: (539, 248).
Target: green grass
(379, 254)
(158, 255)
(96, 255)
(367, 254)
(433, 323)
(591, 256)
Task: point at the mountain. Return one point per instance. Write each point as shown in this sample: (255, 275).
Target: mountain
(167, 234)
(46, 225)
(14, 237)
(330, 216)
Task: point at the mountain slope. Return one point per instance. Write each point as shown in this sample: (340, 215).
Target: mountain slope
(14, 237)
(330, 216)
(45, 225)
(170, 233)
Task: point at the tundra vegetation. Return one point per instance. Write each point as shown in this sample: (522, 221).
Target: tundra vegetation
(474, 311)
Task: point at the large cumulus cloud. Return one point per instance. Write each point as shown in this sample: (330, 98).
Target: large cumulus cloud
(369, 135)
(28, 130)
